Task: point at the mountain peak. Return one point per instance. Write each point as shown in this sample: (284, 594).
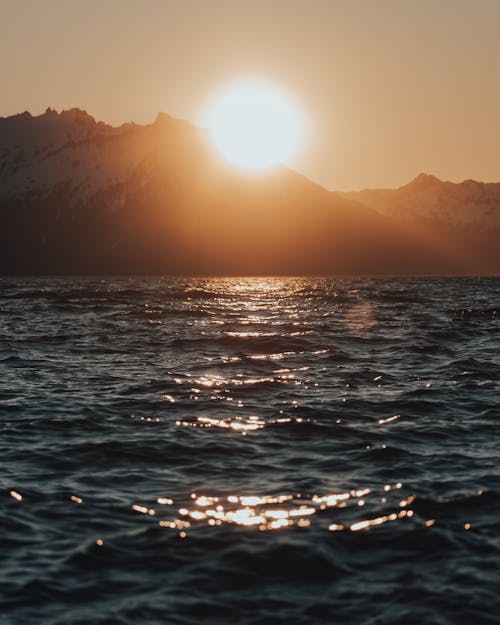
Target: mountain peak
(78, 116)
(17, 117)
(163, 118)
(422, 181)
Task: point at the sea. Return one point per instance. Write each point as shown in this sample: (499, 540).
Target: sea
(249, 451)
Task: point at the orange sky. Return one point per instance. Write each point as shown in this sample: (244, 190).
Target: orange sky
(390, 87)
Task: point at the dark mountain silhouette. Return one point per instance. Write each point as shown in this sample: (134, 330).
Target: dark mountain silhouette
(79, 196)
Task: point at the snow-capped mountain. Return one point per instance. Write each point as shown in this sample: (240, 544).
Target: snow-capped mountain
(80, 196)
(428, 198)
(71, 151)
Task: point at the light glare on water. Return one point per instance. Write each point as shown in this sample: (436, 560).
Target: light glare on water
(314, 443)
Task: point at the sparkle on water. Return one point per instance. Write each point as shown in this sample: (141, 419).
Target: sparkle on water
(292, 438)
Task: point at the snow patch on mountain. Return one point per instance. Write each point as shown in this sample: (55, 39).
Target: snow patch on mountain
(69, 149)
(428, 198)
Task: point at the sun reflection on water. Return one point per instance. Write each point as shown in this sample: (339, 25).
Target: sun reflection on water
(277, 512)
(239, 424)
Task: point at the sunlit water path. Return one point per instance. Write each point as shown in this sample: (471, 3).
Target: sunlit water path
(249, 451)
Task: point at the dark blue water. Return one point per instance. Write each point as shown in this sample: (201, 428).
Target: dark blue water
(249, 451)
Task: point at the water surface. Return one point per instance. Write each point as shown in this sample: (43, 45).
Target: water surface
(251, 451)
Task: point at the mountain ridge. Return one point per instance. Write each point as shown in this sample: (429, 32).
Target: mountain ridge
(428, 197)
(80, 196)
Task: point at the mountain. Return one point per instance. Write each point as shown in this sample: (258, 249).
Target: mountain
(461, 219)
(79, 196)
(427, 197)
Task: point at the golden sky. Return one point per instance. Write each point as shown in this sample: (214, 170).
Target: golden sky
(390, 87)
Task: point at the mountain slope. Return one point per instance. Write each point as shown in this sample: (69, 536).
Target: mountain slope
(426, 197)
(461, 220)
(79, 196)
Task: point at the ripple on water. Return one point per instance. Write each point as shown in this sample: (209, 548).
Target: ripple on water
(256, 451)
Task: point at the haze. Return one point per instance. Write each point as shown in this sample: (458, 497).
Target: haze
(390, 88)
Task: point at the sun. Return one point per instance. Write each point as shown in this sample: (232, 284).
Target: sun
(254, 125)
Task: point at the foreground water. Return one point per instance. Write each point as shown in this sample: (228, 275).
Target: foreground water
(249, 451)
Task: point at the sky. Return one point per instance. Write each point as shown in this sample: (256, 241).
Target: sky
(389, 88)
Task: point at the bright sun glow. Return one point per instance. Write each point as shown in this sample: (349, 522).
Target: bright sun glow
(254, 125)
